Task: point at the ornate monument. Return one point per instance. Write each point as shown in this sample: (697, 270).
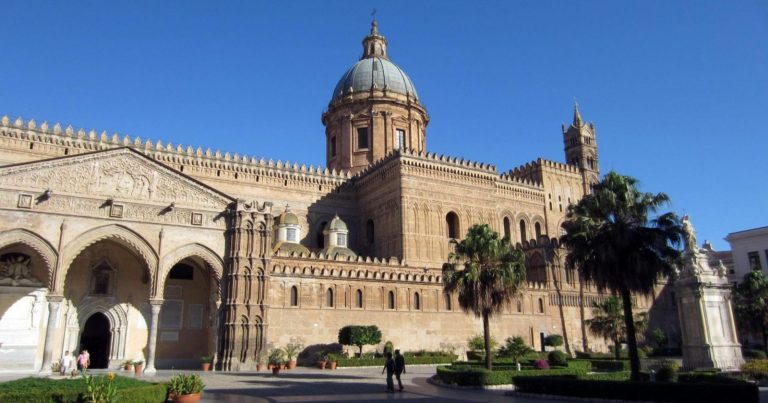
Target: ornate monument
(705, 311)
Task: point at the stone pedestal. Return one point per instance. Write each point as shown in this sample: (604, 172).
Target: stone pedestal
(706, 315)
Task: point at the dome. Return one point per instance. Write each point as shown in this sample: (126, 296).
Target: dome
(288, 218)
(374, 71)
(336, 224)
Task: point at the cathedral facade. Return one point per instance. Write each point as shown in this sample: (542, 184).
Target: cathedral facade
(140, 249)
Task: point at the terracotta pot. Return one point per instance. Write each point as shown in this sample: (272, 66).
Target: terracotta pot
(321, 364)
(292, 364)
(332, 365)
(258, 367)
(270, 366)
(191, 398)
(275, 370)
(206, 366)
(128, 367)
(138, 368)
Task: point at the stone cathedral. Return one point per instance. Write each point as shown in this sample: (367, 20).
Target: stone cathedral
(140, 249)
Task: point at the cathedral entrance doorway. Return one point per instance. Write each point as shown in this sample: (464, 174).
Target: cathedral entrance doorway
(96, 338)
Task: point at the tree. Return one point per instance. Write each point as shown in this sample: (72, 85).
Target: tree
(359, 336)
(608, 321)
(660, 337)
(751, 302)
(477, 343)
(486, 273)
(553, 340)
(515, 348)
(617, 246)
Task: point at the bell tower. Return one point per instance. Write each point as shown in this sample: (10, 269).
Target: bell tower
(374, 110)
(581, 145)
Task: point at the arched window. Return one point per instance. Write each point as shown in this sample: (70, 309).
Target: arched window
(101, 279)
(391, 300)
(537, 228)
(452, 222)
(448, 304)
(294, 296)
(416, 301)
(541, 305)
(523, 235)
(329, 298)
(507, 229)
(535, 268)
(359, 299)
(519, 306)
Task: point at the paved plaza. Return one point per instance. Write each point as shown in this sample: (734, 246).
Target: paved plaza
(341, 385)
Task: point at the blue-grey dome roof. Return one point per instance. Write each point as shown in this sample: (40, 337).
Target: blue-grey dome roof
(374, 70)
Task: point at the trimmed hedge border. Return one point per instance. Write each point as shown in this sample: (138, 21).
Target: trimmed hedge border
(645, 391)
(474, 376)
(609, 365)
(143, 394)
(409, 360)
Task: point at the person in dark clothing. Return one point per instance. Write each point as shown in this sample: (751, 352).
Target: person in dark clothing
(389, 366)
(399, 368)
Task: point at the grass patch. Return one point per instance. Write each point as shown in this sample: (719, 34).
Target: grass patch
(74, 390)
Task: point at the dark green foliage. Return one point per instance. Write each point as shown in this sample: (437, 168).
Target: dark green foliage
(609, 365)
(666, 374)
(707, 377)
(617, 245)
(750, 299)
(514, 348)
(432, 358)
(667, 352)
(660, 337)
(477, 376)
(359, 336)
(73, 390)
(583, 355)
(755, 369)
(487, 274)
(753, 354)
(553, 340)
(643, 391)
(557, 358)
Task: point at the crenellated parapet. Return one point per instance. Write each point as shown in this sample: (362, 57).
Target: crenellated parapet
(56, 140)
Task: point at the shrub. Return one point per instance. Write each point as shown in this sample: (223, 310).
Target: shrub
(660, 337)
(183, 384)
(753, 354)
(276, 356)
(540, 364)
(755, 369)
(553, 340)
(409, 360)
(643, 391)
(666, 352)
(707, 377)
(477, 343)
(466, 375)
(389, 347)
(666, 374)
(609, 365)
(515, 348)
(557, 358)
(583, 355)
(75, 390)
(101, 388)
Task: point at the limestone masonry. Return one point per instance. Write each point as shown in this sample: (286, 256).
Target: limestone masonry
(141, 249)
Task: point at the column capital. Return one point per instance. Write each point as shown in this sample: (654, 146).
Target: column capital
(55, 298)
(156, 302)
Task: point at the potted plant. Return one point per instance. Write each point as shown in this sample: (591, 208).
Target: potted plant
(206, 362)
(185, 388)
(276, 358)
(128, 365)
(138, 366)
(291, 351)
(332, 358)
(260, 360)
(322, 359)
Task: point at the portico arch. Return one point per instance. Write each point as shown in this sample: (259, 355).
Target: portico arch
(213, 261)
(115, 312)
(117, 233)
(34, 241)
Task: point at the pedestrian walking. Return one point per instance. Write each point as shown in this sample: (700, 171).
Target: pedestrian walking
(66, 363)
(399, 368)
(82, 361)
(389, 366)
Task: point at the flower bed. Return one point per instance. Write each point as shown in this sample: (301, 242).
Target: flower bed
(74, 390)
(645, 391)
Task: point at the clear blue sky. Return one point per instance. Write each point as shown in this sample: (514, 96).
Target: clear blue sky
(678, 89)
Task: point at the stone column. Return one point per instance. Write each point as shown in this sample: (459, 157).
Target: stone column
(155, 305)
(54, 303)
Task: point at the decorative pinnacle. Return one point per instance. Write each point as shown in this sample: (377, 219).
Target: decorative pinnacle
(374, 45)
(576, 115)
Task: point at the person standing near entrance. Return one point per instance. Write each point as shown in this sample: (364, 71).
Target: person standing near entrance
(399, 368)
(66, 363)
(389, 366)
(82, 361)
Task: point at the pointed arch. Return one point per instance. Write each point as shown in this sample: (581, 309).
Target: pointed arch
(37, 243)
(210, 257)
(115, 232)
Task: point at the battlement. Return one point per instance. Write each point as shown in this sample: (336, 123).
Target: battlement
(533, 169)
(167, 152)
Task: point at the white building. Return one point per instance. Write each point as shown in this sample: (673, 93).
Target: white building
(749, 249)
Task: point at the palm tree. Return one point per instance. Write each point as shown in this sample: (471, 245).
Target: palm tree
(751, 303)
(618, 247)
(487, 274)
(608, 321)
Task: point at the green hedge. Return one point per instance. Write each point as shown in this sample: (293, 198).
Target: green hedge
(34, 390)
(645, 391)
(609, 365)
(477, 376)
(409, 360)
